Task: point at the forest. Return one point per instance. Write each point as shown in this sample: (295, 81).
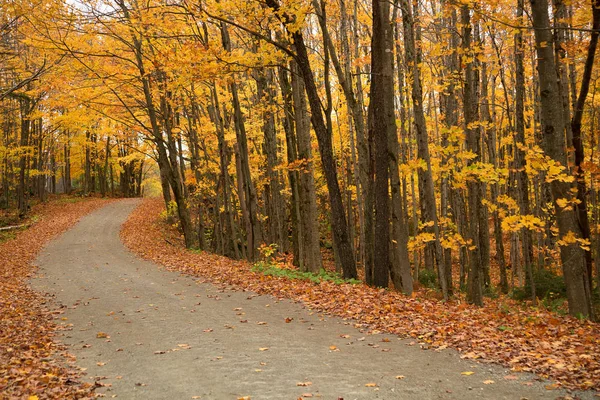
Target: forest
(449, 144)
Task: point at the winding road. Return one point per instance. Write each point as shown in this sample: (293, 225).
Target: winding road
(147, 333)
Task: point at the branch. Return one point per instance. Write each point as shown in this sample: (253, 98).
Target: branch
(24, 83)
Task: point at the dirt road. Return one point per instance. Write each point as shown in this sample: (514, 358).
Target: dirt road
(153, 334)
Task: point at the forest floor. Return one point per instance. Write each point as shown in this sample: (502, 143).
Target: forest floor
(32, 363)
(562, 349)
(209, 327)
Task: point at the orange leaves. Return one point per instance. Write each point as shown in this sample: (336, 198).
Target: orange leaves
(26, 328)
(502, 331)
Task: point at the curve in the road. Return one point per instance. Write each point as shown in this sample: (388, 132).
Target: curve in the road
(152, 334)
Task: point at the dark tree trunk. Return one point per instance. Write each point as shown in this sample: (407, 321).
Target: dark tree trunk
(470, 103)
(381, 104)
(581, 207)
(572, 255)
(22, 190)
(338, 215)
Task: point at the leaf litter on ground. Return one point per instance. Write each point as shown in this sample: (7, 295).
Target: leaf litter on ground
(31, 361)
(561, 348)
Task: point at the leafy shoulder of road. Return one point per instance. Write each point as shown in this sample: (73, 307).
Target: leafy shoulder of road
(560, 348)
(30, 364)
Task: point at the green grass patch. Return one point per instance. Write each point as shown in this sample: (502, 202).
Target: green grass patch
(428, 279)
(6, 236)
(270, 269)
(70, 199)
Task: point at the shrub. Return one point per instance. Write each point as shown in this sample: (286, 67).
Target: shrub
(271, 269)
(548, 286)
(428, 279)
(170, 214)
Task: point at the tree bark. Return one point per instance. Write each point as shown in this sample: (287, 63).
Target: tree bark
(553, 129)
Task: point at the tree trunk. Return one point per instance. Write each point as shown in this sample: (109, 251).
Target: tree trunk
(338, 215)
(426, 187)
(22, 190)
(309, 225)
(572, 255)
(381, 104)
(470, 103)
(581, 207)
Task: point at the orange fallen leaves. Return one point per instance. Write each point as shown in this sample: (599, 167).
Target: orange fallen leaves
(27, 350)
(503, 331)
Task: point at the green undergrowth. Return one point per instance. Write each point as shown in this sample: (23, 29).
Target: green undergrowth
(270, 269)
(20, 225)
(6, 236)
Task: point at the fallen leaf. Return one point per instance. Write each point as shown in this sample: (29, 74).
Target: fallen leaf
(101, 335)
(488, 382)
(371, 384)
(400, 377)
(467, 373)
(263, 348)
(534, 334)
(303, 383)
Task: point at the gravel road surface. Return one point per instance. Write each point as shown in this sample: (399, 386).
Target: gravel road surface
(147, 333)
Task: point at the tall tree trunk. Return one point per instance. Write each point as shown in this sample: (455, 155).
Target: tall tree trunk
(520, 150)
(581, 207)
(264, 82)
(426, 187)
(67, 171)
(248, 193)
(338, 215)
(470, 103)
(572, 255)
(309, 225)
(22, 190)
(228, 234)
(167, 151)
(381, 104)
(293, 173)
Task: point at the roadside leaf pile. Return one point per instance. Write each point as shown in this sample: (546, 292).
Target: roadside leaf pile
(560, 348)
(28, 354)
